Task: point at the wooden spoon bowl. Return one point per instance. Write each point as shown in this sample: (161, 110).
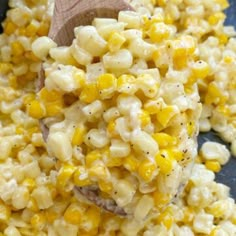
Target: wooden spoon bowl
(68, 15)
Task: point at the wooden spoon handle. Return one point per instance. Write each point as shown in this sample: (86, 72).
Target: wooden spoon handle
(71, 13)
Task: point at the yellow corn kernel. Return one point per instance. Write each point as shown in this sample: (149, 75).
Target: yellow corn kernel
(111, 128)
(17, 49)
(55, 108)
(159, 32)
(5, 68)
(188, 215)
(78, 136)
(190, 128)
(29, 183)
(49, 96)
(126, 84)
(51, 215)
(200, 70)
(166, 218)
(115, 41)
(80, 177)
(32, 205)
(161, 3)
(228, 59)
(35, 109)
(105, 186)
(223, 38)
(99, 171)
(29, 97)
(165, 161)
(32, 28)
(5, 213)
(9, 27)
(30, 55)
(176, 153)
(79, 77)
(166, 114)
(91, 157)
(64, 174)
(89, 93)
(43, 29)
(168, 18)
(215, 95)
(73, 214)
(131, 163)
(114, 162)
(213, 166)
(91, 218)
(106, 84)
(146, 170)
(20, 129)
(164, 140)
(144, 118)
(215, 18)
(152, 107)
(223, 3)
(161, 199)
(217, 209)
(148, 21)
(38, 220)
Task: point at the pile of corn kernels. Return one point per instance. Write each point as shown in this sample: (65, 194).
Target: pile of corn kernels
(35, 198)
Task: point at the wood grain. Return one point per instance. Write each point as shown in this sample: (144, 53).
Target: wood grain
(71, 13)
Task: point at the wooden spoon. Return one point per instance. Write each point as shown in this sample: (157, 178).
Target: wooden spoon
(69, 14)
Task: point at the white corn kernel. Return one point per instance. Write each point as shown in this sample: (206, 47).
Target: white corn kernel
(43, 197)
(41, 46)
(59, 146)
(215, 151)
(119, 148)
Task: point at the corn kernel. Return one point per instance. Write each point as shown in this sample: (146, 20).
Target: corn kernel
(73, 214)
(5, 68)
(9, 28)
(99, 171)
(148, 21)
(105, 186)
(91, 157)
(29, 183)
(223, 3)
(38, 221)
(80, 177)
(36, 110)
(43, 29)
(115, 41)
(5, 213)
(32, 28)
(126, 84)
(215, 18)
(214, 95)
(190, 128)
(166, 218)
(166, 114)
(89, 93)
(78, 136)
(164, 160)
(200, 70)
(213, 166)
(64, 174)
(188, 215)
(144, 118)
(164, 140)
(17, 49)
(146, 170)
(161, 199)
(131, 163)
(91, 219)
(159, 32)
(106, 85)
